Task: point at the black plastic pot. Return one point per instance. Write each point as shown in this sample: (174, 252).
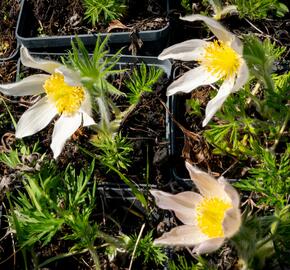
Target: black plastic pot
(154, 40)
(122, 197)
(123, 62)
(176, 142)
(116, 192)
(176, 137)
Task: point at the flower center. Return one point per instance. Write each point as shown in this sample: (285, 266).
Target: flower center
(67, 99)
(220, 60)
(210, 214)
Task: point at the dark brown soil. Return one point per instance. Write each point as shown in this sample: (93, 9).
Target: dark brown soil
(7, 72)
(7, 75)
(146, 127)
(9, 10)
(65, 17)
(7, 138)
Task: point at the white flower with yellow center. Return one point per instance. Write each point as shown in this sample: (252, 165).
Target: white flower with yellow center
(64, 96)
(219, 60)
(209, 217)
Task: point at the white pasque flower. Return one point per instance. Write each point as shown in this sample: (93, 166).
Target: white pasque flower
(209, 217)
(64, 96)
(221, 59)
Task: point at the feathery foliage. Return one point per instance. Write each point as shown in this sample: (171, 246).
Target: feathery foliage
(103, 11)
(271, 179)
(114, 151)
(142, 80)
(182, 264)
(259, 9)
(53, 200)
(146, 250)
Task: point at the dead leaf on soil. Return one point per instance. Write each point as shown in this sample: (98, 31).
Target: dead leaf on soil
(116, 24)
(195, 148)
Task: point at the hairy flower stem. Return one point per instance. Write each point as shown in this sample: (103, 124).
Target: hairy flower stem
(255, 258)
(281, 131)
(269, 82)
(253, 92)
(95, 257)
(104, 112)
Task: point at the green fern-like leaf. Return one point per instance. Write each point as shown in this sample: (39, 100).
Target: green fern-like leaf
(259, 9)
(186, 5)
(141, 81)
(146, 250)
(94, 71)
(182, 264)
(113, 150)
(271, 179)
(103, 10)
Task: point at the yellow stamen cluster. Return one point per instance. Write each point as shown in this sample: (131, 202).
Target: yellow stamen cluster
(67, 99)
(210, 214)
(220, 60)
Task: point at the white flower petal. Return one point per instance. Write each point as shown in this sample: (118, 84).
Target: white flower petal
(32, 85)
(185, 235)
(45, 65)
(242, 77)
(232, 222)
(191, 80)
(188, 50)
(86, 110)
(86, 105)
(214, 105)
(207, 185)
(220, 32)
(237, 45)
(35, 118)
(64, 127)
(209, 246)
(87, 120)
(230, 191)
(182, 204)
(71, 77)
